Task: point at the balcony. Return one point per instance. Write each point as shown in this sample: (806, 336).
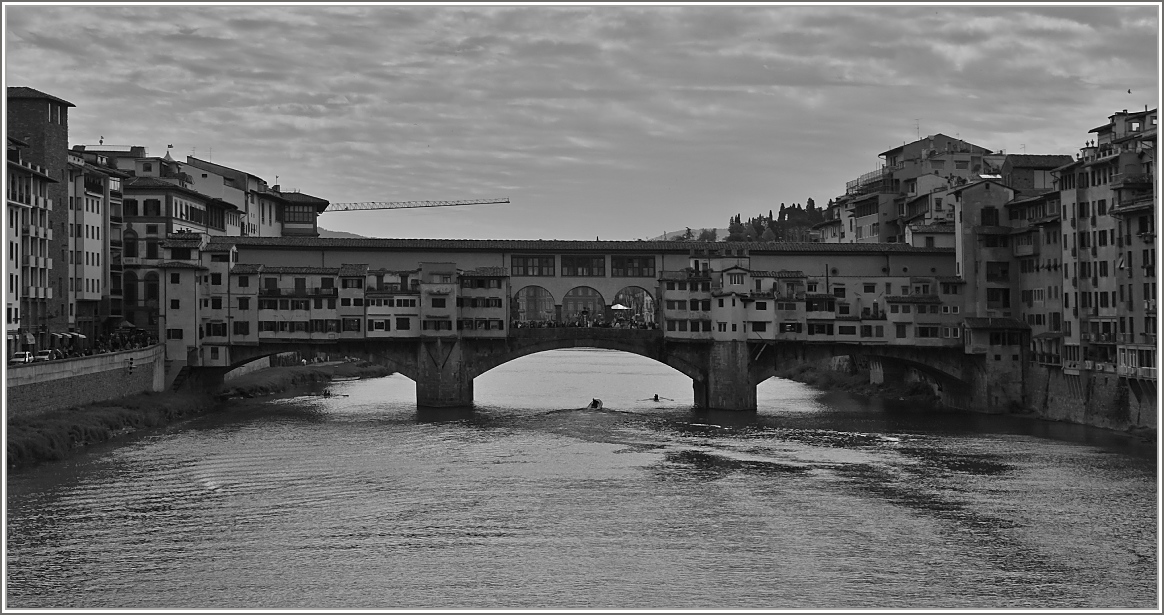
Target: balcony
(1131, 180)
(1147, 373)
(325, 292)
(270, 292)
(1150, 306)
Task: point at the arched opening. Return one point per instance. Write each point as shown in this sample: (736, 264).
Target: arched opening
(635, 305)
(583, 305)
(569, 378)
(532, 304)
(129, 290)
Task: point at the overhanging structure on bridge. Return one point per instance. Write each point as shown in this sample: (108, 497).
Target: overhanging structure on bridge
(444, 311)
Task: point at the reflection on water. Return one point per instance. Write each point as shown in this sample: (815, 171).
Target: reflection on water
(530, 501)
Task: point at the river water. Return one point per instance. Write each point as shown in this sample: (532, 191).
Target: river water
(815, 501)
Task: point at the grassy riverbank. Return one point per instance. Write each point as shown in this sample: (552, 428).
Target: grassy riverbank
(822, 377)
(55, 435)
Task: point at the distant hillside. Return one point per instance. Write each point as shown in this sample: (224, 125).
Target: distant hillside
(720, 233)
(326, 233)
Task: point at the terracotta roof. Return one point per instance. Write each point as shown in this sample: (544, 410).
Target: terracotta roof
(301, 270)
(181, 265)
(534, 245)
(19, 91)
(790, 274)
(1036, 161)
(684, 275)
(995, 323)
(934, 228)
(913, 299)
(181, 243)
(150, 183)
(981, 181)
(819, 296)
(246, 268)
(482, 272)
(305, 199)
(354, 269)
(949, 279)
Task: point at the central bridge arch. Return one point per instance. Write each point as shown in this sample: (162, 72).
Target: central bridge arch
(647, 343)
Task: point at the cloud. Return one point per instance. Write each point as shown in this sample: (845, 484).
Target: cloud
(644, 117)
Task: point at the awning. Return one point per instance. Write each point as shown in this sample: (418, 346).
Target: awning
(56, 335)
(79, 336)
(29, 339)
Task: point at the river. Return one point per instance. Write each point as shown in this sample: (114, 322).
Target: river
(816, 501)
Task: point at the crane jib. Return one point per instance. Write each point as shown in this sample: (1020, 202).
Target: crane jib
(408, 204)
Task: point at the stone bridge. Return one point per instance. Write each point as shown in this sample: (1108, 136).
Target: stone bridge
(724, 374)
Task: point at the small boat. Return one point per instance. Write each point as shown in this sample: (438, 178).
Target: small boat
(595, 404)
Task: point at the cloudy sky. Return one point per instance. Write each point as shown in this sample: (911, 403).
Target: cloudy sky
(619, 122)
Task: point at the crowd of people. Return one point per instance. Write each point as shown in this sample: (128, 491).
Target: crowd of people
(122, 339)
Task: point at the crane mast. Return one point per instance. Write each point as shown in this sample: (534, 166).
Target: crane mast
(364, 205)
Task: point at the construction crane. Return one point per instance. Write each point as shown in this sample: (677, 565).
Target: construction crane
(408, 204)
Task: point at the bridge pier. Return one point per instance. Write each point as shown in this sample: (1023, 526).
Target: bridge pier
(728, 385)
(441, 379)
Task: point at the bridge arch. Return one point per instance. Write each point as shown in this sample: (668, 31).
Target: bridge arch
(533, 303)
(689, 364)
(640, 301)
(583, 303)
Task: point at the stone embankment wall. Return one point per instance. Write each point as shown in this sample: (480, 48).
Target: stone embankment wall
(253, 366)
(1096, 399)
(68, 383)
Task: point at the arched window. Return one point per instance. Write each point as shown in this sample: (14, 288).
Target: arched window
(129, 288)
(130, 244)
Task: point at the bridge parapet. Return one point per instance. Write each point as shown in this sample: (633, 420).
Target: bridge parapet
(595, 333)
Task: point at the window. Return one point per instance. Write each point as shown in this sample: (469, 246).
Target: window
(180, 254)
(244, 281)
(532, 265)
(352, 283)
(173, 334)
(584, 266)
(174, 304)
(735, 278)
(632, 266)
(438, 302)
(244, 303)
(175, 278)
(216, 329)
(847, 330)
(901, 330)
(759, 326)
(216, 279)
(403, 324)
(870, 288)
(216, 303)
(926, 331)
(351, 324)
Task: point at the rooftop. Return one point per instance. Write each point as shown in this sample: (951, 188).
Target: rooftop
(19, 91)
(539, 245)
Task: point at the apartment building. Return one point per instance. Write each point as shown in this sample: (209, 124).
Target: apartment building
(28, 237)
(41, 121)
(94, 244)
(1109, 250)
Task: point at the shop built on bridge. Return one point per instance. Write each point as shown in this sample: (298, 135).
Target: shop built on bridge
(442, 312)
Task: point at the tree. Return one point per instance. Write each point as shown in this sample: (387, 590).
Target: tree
(768, 235)
(707, 234)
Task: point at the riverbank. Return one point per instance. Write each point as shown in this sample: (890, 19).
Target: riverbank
(823, 377)
(55, 435)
